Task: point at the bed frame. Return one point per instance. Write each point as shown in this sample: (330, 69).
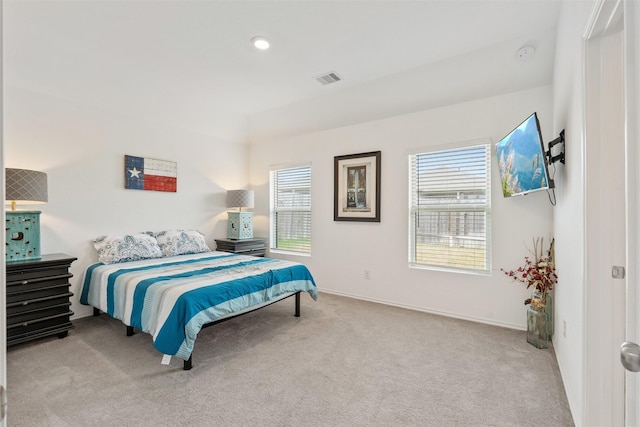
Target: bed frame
(188, 364)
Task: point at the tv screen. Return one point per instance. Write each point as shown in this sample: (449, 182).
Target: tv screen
(522, 161)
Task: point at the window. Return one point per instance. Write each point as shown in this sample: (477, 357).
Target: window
(450, 209)
(291, 209)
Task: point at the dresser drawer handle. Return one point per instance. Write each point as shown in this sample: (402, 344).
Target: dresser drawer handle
(25, 324)
(24, 282)
(25, 302)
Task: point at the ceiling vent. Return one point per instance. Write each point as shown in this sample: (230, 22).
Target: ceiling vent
(328, 78)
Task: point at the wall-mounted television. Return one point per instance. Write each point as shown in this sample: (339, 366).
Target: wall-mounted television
(522, 159)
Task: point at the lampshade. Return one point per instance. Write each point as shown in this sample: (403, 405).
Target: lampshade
(25, 186)
(239, 199)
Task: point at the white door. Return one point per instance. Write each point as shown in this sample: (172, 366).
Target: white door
(611, 217)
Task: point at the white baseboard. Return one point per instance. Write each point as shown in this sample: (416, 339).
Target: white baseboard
(427, 310)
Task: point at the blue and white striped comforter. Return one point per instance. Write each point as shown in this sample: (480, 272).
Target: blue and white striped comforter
(172, 298)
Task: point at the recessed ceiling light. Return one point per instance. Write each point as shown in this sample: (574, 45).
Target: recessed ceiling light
(260, 42)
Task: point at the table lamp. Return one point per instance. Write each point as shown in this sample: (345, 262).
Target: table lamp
(240, 224)
(24, 187)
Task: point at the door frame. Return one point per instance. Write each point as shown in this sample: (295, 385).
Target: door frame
(632, 139)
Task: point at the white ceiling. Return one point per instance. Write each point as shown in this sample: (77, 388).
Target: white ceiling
(191, 62)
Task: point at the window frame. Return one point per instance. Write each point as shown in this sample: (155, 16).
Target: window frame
(274, 210)
(415, 207)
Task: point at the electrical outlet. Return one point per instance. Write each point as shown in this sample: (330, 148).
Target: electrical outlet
(564, 328)
(367, 274)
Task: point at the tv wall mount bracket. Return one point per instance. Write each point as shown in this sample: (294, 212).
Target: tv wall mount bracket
(560, 156)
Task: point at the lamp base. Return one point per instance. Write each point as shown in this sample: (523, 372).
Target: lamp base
(240, 225)
(22, 235)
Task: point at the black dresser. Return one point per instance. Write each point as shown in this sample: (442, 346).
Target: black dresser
(38, 298)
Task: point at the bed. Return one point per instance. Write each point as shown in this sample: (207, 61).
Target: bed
(173, 298)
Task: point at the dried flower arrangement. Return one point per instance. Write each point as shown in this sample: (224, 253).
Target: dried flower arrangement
(539, 273)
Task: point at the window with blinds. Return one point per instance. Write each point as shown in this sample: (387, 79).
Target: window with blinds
(450, 209)
(291, 209)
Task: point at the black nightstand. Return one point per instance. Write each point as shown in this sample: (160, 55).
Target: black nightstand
(38, 298)
(255, 247)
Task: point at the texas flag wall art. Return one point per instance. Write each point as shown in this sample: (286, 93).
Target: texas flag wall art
(141, 173)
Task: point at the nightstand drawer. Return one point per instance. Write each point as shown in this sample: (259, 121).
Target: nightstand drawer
(58, 325)
(27, 292)
(37, 314)
(36, 274)
(16, 283)
(37, 303)
(253, 247)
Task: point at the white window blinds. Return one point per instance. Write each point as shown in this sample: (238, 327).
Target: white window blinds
(291, 209)
(450, 208)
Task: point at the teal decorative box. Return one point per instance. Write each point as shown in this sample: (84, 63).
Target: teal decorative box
(23, 235)
(240, 225)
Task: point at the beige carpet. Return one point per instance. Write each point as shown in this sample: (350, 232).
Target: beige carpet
(343, 363)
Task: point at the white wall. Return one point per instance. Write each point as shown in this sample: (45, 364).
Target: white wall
(82, 150)
(569, 215)
(341, 251)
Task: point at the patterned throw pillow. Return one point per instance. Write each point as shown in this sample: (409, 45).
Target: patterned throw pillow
(129, 247)
(181, 242)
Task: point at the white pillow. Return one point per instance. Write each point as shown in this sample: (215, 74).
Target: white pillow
(181, 242)
(129, 247)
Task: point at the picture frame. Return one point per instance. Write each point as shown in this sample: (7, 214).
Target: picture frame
(143, 173)
(357, 187)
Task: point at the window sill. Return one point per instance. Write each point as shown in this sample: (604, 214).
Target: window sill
(449, 270)
(291, 253)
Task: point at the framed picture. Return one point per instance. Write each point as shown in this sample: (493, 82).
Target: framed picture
(143, 173)
(357, 187)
